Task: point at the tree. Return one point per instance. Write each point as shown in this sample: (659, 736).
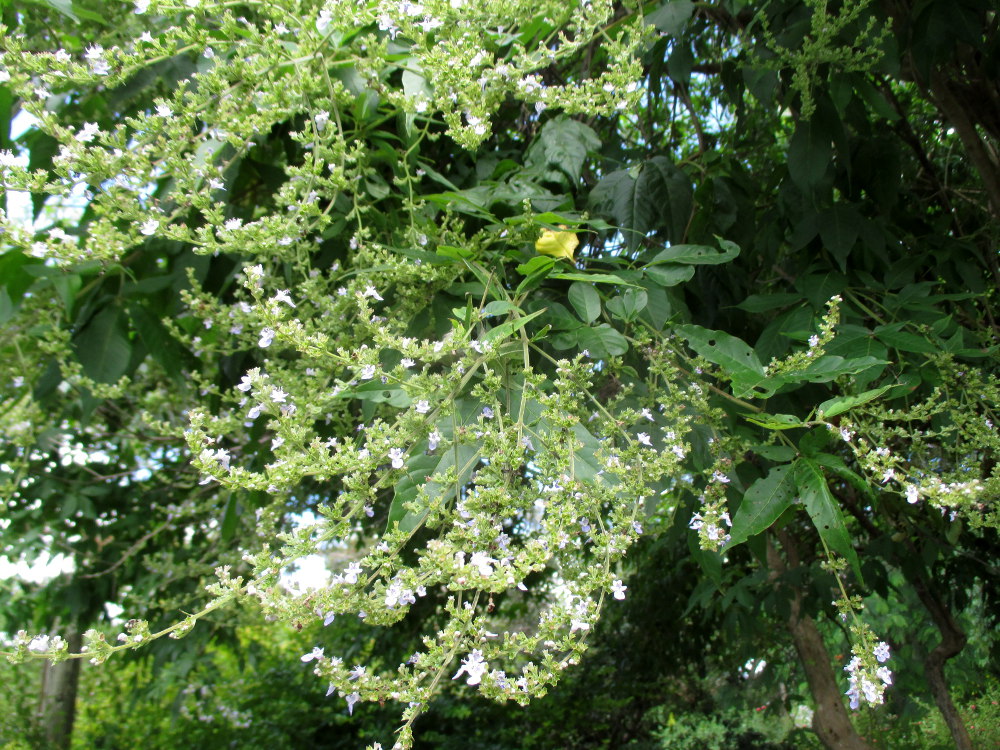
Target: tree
(330, 260)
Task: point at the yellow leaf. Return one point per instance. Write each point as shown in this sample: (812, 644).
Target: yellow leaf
(557, 244)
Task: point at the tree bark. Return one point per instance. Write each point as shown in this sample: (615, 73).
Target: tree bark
(830, 720)
(953, 640)
(57, 707)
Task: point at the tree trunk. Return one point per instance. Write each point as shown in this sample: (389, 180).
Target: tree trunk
(830, 720)
(953, 640)
(57, 707)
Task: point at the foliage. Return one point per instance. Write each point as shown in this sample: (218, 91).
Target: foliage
(476, 296)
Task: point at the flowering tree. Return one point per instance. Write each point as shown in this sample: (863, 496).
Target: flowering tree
(493, 289)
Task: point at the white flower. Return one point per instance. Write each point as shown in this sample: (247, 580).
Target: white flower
(422, 407)
(474, 666)
(283, 296)
(352, 573)
(149, 227)
(209, 53)
(433, 440)
(370, 291)
(163, 110)
(233, 224)
(881, 652)
(912, 493)
(644, 439)
(141, 6)
(95, 56)
(367, 372)
(39, 644)
(88, 132)
(7, 158)
(618, 590)
(483, 562)
(351, 700)
(316, 653)
(323, 21)
(266, 337)
(396, 456)
(145, 37)
(278, 396)
(407, 362)
(245, 384)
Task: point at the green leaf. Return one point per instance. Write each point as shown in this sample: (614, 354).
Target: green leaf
(840, 404)
(602, 341)
(775, 421)
(671, 17)
(738, 361)
(839, 227)
(163, 347)
(102, 348)
(419, 469)
(697, 255)
(504, 330)
(501, 307)
(809, 154)
(536, 264)
(763, 502)
(658, 198)
(629, 304)
(824, 511)
(758, 303)
(830, 367)
(585, 301)
(903, 341)
(230, 518)
(458, 253)
(563, 143)
(669, 275)
(774, 452)
(593, 278)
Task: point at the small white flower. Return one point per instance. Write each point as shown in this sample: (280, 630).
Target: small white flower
(316, 653)
(396, 456)
(323, 21)
(407, 362)
(367, 372)
(283, 296)
(266, 337)
(644, 439)
(474, 666)
(433, 440)
(351, 700)
(164, 111)
(422, 407)
(141, 6)
(234, 224)
(149, 227)
(278, 396)
(618, 589)
(88, 132)
(912, 494)
(370, 291)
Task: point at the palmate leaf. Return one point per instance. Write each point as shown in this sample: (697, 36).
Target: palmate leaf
(657, 198)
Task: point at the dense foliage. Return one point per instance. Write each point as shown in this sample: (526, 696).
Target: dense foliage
(511, 311)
